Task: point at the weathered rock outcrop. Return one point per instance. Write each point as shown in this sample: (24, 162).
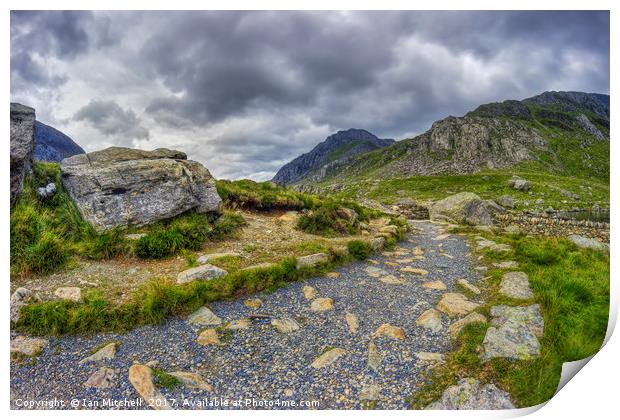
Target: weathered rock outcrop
(469, 394)
(466, 208)
(22, 145)
(121, 187)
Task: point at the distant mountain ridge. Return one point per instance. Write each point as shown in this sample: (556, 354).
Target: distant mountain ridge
(51, 145)
(560, 132)
(335, 149)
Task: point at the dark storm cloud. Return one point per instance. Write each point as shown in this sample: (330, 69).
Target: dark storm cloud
(112, 120)
(255, 89)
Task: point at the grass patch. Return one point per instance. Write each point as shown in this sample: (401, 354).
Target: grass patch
(165, 380)
(572, 287)
(263, 196)
(359, 250)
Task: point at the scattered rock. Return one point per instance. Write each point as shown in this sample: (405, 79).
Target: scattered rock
(515, 284)
(102, 378)
(374, 358)
(499, 248)
(74, 294)
(253, 303)
(333, 274)
(202, 272)
(29, 346)
(472, 318)
(285, 325)
(454, 304)
(22, 146)
(506, 201)
(505, 265)
(239, 324)
(204, 259)
(375, 271)
(414, 270)
(469, 395)
(465, 208)
(322, 304)
(106, 352)
(312, 260)
(430, 319)
(390, 279)
(513, 334)
(387, 330)
(327, 358)
(47, 191)
(204, 316)
(468, 286)
(309, 292)
(435, 285)
(119, 186)
(192, 380)
(19, 299)
(370, 392)
(352, 322)
(377, 243)
(431, 357)
(528, 315)
(208, 338)
(417, 251)
(591, 243)
(141, 378)
(518, 183)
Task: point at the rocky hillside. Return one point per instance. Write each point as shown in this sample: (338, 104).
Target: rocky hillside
(558, 132)
(337, 149)
(53, 146)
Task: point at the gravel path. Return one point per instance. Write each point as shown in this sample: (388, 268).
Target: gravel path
(258, 362)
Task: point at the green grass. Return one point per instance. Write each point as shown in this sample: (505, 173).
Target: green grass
(359, 250)
(247, 194)
(572, 287)
(165, 380)
(47, 233)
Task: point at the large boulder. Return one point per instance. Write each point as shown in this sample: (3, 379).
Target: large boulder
(119, 186)
(465, 208)
(22, 145)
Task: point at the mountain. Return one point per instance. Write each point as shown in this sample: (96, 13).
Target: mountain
(555, 132)
(53, 146)
(334, 150)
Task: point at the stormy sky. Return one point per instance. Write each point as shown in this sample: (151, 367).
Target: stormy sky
(245, 92)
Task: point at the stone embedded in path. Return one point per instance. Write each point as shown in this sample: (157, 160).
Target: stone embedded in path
(454, 304)
(375, 271)
(371, 261)
(204, 316)
(312, 260)
(202, 272)
(405, 260)
(192, 380)
(208, 337)
(387, 330)
(29, 346)
(528, 315)
(102, 378)
(430, 319)
(141, 377)
(506, 265)
(352, 322)
(106, 352)
(322, 304)
(435, 285)
(441, 237)
(327, 358)
(204, 259)
(414, 270)
(513, 334)
(285, 325)
(333, 274)
(309, 292)
(516, 285)
(19, 299)
(238, 324)
(417, 251)
(591, 243)
(374, 358)
(472, 318)
(74, 294)
(468, 286)
(390, 279)
(253, 303)
(468, 394)
(430, 357)
(500, 248)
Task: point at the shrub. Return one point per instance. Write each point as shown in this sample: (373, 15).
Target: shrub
(359, 249)
(45, 255)
(325, 220)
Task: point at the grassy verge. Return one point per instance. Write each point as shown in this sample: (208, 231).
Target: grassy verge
(47, 233)
(161, 299)
(572, 287)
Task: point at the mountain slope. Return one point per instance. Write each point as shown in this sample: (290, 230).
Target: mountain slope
(53, 146)
(336, 149)
(556, 132)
